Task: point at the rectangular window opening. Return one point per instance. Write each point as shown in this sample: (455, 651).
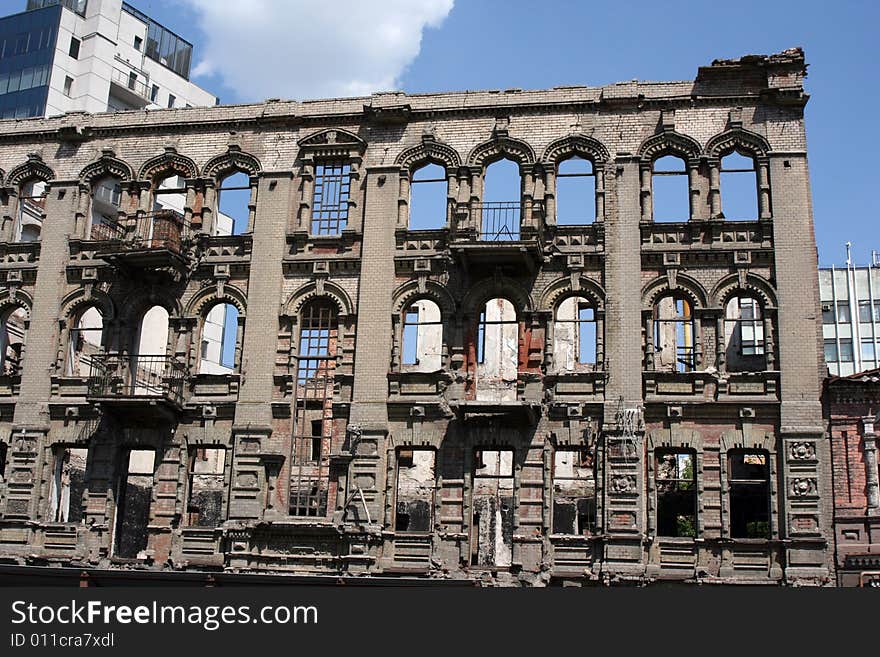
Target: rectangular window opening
(415, 490)
(574, 492)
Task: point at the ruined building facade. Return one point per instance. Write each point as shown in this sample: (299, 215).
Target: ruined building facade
(431, 377)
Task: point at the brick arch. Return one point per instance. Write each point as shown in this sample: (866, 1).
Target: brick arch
(495, 287)
(208, 297)
(139, 301)
(311, 291)
(684, 284)
(561, 289)
(669, 143)
(751, 285)
(232, 161)
(77, 301)
(575, 144)
(429, 151)
(33, 168)
(499, 148)
(107, 165)
(170, 162)
(412, 291)
(737, 139)
(14, 300)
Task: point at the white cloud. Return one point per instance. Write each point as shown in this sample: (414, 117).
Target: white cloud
(303, 49)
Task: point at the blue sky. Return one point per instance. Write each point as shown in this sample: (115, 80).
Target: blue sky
(494, 44)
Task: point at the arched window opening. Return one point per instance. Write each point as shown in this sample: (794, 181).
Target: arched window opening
(31, 211)
(150, 355)
(12, 341)
(85, 342)
(676, 493)
(575, 192)
(330, 199)
(744, 335)
(422, 337)
(574, 335)
(497, 351)
(739, 187)
(313, 410)
(749, 482)
(674, 334)
(163, 228)
(106, 201)
(218, 340)
(428, 191)
(233, 201)
(670, 190)
(502, 200)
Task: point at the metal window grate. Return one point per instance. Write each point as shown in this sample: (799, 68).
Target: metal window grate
(313, 411)
(330, 203)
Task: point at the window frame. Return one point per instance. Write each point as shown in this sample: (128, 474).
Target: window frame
(331, 220)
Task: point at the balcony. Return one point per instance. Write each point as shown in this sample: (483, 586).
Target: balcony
(154, 240)
(137, 385)
(126, 86)
(501, 236)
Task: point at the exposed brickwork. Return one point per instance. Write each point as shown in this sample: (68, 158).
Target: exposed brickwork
(624, 412)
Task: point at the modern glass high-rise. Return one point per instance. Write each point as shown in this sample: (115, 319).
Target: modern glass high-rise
(61, 56)
(850, 304)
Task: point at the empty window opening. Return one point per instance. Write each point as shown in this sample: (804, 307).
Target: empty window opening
(106, 202)
(219, 339)
(4, 449)
(31, 211)
(739, 187)
(415, 490)
(313, 410)
(154, 93)
(675, 476)
(171, 100)
(68, 485)
(12, 336)
(744, 335)
(497, 351)
(169, 194)
(149, 358)
(422, 336)
(670, 190)
(85, 341)
(427, 205)
(68, 86)
(138, 43)
(234, 197)
(575, 192)
(493, 517)
(502, 200)
(574, 335)
(674, 335)
(206, 487)
(330, 202)
(134, 500)
(574, 492)
(73, 50)
(749, 494)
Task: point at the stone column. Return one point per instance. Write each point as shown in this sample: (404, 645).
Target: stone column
(872, 485)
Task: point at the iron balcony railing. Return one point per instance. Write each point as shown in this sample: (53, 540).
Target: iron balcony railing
(160, 229)
(500, 221)
(124, 376)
